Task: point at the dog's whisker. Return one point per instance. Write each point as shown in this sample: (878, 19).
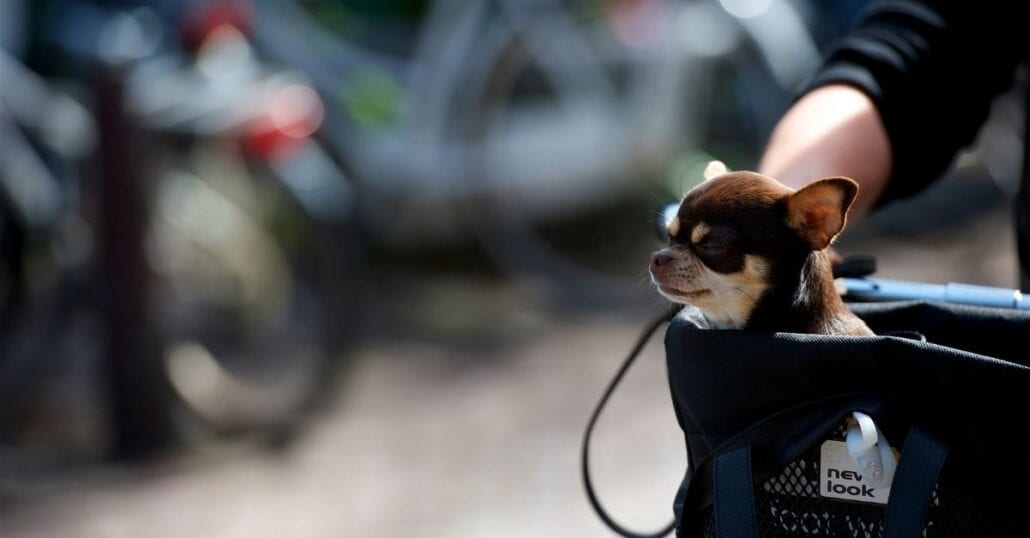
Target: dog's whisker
(746, 294)
(658, 198)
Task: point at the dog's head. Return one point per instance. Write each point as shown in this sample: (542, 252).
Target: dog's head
(735, 230)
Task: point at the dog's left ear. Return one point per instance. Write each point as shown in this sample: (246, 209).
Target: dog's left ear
(714, 169)
(819, 211)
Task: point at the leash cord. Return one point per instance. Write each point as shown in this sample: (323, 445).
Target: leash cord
(642, 340)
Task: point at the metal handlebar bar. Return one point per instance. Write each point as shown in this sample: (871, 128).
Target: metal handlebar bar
(882, 289)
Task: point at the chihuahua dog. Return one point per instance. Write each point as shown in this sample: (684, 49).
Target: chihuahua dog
(749, 253)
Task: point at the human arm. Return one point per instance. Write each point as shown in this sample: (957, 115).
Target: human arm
(898, 96)
(832, 130)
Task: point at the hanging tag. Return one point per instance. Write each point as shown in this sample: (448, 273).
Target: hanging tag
(862, 467)
(839, 478)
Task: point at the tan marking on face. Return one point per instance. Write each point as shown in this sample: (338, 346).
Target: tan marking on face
(730, 298)
(673, 227)
(734, 295)
(699, 232)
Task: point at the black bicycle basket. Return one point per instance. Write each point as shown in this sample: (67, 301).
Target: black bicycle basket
(759, 409)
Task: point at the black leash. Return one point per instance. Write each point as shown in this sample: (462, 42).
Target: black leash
(585, 455)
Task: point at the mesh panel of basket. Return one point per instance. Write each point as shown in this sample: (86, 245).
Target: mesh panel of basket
(789, 504)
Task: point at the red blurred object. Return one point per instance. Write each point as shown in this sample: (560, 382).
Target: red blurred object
(207, 16)
(637, 23)
(292, 115)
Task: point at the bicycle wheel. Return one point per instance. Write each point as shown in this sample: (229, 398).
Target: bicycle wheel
(251, 307)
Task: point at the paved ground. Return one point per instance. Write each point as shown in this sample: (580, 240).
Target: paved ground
(423, 442)
(429, 438)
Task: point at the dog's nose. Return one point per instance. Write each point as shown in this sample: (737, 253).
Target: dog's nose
(660, 258)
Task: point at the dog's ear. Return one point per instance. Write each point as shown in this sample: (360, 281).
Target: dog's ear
(714, 168)
(819, 211)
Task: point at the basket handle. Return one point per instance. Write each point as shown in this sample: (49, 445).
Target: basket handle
(922, 458)
(734, 494)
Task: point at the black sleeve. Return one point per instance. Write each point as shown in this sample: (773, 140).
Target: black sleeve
(932, 68)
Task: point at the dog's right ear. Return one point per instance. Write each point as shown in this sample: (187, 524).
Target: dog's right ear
(714, 169)
(819, 211)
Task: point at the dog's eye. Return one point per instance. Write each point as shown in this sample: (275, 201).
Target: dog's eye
(710, 245)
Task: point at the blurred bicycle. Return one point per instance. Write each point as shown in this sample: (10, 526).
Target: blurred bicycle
(246, 146)
(495, 118)
(215, 240)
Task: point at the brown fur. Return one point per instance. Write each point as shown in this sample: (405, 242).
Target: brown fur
(749, 252)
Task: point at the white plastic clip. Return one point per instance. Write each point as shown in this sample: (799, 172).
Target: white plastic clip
(871, 452)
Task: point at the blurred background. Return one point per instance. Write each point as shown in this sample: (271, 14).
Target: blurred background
(362, 267)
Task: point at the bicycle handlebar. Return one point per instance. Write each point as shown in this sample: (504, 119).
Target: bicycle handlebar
(882, 289)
